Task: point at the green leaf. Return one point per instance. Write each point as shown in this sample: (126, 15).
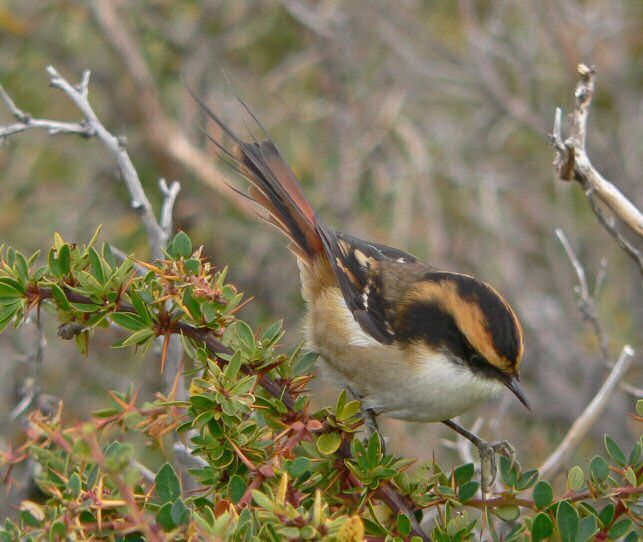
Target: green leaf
(528, 479)
(542, 527)
(128, 320)
(468, 490)
(299, 466)
(57, 531)
(64, 259)
(350, 409)
(236, 488)
(141, 307)
(193, 265)
(598, 468)
(635, 455)
(209, 311)
(168, 486)
(508, 471)
(180, 513)
(508, 513)
(164, 517)
(13, 283)
(245, 335)
(374, 450)
(632, 537)
(328, 443)
(54, 263)
(568, 521)
(74, 485)
(630, 476)
(304, 364)
(192, 305)
(96, 265)
(575, 478)
(607, 514)
(108, 255)
(138, 337)
(181, 246)
(463, 473)
(639, 407)
(22, 267)
(339, 405)
(587, 528)
(8, 292)
(615, 451)
(620, 528)
(86, 307)
(232, 369)
(262, 500)
(403, 524)
(60, 298)
(7, 313)
(272, 332)
(543, 494)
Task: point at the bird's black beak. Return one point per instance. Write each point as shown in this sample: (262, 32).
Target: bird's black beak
(512, 383)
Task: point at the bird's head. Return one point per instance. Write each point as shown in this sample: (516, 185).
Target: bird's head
(467, 320)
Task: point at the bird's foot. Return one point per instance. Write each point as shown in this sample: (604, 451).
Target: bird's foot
(370, 421)
(371, 427)
(488, 463)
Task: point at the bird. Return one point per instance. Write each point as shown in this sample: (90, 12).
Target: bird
(409, 340)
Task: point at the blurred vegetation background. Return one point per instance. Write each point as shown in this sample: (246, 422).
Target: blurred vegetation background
(419, 124)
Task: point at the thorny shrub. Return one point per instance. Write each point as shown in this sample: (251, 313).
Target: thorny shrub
(268, 467)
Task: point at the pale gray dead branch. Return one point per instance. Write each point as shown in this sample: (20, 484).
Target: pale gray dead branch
(187, 456)
(25, 121)
(92, 126)
(586, 298)
(32, 388)
(158, 231)
(587, 419)
(587, 305)
(146, 473)
(573, 163)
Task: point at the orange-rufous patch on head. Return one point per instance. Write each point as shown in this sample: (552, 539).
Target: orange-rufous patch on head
(470, 317)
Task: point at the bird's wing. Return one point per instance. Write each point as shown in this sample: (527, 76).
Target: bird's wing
(372, 278)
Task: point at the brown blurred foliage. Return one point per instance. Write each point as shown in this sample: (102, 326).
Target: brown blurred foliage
(417, 124)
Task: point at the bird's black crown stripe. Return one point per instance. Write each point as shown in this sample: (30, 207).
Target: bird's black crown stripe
(504, 331)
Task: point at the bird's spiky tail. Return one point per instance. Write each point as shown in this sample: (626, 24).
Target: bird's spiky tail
(274, 186)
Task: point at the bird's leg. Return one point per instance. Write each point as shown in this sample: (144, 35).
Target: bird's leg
(370, 420)
(487, 451)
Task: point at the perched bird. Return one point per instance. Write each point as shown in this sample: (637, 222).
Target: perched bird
(409, 340)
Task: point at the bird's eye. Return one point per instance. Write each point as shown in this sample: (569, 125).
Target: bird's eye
(477, 361)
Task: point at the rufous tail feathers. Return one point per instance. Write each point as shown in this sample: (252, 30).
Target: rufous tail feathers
(274, 186)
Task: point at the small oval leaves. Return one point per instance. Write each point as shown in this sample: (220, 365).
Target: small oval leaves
(543, 494)
(328, 443)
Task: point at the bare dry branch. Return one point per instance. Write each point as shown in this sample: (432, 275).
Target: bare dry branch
(32, 386)
(573, 163)
(116, 145)
(92, 126)
(169, 197)
(187, 457)
(587, 299)
(146, 473)
(26, 121)
(586, 420)
(158, 232)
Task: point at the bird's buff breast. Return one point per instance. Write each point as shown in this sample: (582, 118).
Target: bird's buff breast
(413, 385)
